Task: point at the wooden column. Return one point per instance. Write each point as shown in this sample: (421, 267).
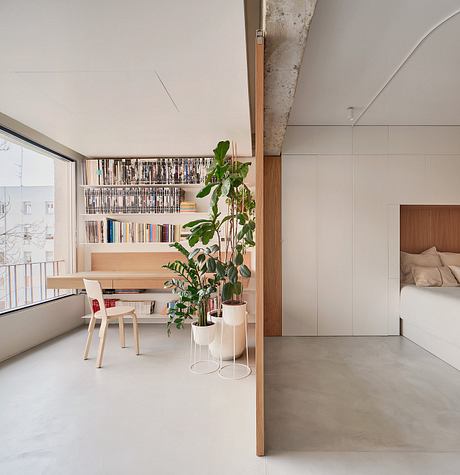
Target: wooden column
(272, 246)
(259, 139)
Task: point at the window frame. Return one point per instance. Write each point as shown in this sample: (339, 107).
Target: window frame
(23, 141)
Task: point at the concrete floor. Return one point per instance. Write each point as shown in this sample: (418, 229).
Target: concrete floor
(334, 406)
(360, 405)
(137, 415)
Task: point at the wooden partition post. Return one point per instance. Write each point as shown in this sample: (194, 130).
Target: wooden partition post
(259, 133)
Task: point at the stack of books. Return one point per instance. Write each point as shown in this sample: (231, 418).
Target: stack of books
(113, 231)
(137, 171)
(133, 200)
(187, 207)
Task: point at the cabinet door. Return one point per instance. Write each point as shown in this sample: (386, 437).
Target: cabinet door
(335, 245)
(299, 246)
(370, 256)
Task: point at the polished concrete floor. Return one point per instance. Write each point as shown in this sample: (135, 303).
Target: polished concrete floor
(137, 415)
(360, 405)
(334, 406)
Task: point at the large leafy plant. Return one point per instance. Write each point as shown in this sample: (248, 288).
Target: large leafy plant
(234, 230)
(195, 283)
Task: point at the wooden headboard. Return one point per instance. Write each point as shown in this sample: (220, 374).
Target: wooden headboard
(424, 226)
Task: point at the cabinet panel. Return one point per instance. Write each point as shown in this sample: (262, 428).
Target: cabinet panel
(335, 245)
(299, 246)
(370, 256)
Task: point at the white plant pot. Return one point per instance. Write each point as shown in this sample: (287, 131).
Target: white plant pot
(234, 315)
(204, 335)
(227, 339)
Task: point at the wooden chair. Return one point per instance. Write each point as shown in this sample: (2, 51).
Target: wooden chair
(94, 292)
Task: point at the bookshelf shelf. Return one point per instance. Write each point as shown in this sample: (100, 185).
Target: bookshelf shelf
(166, 215)
(131, 246)
(154, 185)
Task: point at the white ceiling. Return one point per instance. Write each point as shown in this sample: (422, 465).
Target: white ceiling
(127, 78)
(353, 48)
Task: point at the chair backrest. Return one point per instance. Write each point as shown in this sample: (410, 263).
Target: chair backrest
(94, 292)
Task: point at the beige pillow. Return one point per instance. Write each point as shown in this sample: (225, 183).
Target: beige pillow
(427, 276)
(449, 258)
(448, 278)
(428, 258)
(456, 271)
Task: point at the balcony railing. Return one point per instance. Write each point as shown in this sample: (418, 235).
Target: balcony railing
(25, 284)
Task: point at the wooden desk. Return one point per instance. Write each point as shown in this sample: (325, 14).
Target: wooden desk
(111, 280)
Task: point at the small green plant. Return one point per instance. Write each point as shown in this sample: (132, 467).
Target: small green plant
(195, 283)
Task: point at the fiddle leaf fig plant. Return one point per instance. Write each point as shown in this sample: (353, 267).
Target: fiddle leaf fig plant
(234, 231)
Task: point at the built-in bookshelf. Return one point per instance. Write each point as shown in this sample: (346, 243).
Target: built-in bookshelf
(141, 201)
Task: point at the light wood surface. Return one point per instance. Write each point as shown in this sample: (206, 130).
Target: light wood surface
(111, 280)
(132, 261)
(259, 136)
(424, 226)
(272, 247)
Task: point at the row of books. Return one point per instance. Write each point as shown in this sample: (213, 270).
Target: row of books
(133, 200)
(137, 171)
(142, 307)
(113, 231)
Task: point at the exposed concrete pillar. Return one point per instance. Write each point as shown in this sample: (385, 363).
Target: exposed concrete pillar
(286, 27)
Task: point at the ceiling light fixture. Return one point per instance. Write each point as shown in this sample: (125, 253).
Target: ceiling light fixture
(351, 113)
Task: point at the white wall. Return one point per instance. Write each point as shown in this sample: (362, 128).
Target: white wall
(24, 329)
(341, 191)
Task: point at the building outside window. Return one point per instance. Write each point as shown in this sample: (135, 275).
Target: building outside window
(49, 207)
(36, 237)
(27, 207)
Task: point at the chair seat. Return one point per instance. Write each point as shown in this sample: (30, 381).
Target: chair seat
(113, 312)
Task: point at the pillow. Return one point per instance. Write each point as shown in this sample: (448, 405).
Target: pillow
(427, 276)
(428, 258)
(449, 258)
(448, 278)
(456, 271)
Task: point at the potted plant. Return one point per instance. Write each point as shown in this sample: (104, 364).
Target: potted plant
(234, 230)
(195, 284)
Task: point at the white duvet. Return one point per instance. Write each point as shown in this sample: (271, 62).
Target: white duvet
(434, 309)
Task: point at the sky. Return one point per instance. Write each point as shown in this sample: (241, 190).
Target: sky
(37, 169)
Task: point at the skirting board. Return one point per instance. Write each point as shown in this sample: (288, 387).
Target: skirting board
(438, 347)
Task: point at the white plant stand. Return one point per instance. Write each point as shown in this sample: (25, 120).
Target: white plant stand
(201, 359)
(234, 370)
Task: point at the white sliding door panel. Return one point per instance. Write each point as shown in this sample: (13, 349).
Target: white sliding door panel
(370, 256)
(299, 204)
(335, 245)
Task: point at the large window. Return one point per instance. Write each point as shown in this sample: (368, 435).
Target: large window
(36, 200)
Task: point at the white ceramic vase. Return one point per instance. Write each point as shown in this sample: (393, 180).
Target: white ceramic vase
(204, 335)
(227, 340)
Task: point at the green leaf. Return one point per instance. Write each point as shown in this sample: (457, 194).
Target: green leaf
(221, 150)
(220, 268)
(194, 253)
(227, 291)
(245, 271)
(226, 186)
(205, 191)
(238, 259)
(232, 274)
(192, 224)
(211, 264)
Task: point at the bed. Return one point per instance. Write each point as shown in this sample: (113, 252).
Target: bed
(431, 318)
